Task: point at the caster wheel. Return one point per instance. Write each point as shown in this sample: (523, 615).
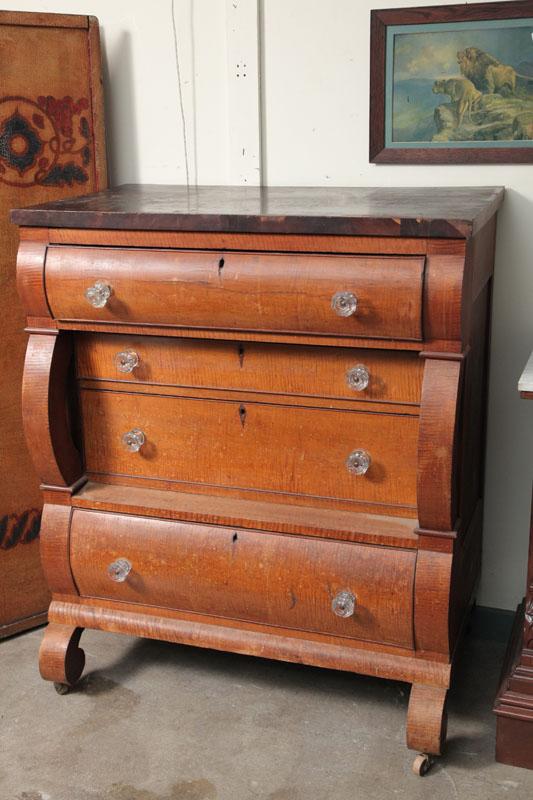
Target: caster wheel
(62, 688)
(422, 764)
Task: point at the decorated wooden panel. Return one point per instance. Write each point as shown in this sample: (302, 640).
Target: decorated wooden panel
(51, 146)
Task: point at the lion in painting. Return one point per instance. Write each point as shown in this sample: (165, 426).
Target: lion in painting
(486, 72)
(462, 92)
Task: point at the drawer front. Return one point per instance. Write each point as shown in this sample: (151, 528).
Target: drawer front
(394, 377)
(243, 291)
(272, 579)
(260, 446)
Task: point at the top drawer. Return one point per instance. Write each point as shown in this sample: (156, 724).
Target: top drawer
(360, 296)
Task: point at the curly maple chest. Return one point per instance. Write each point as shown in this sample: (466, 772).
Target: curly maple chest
(258, 418)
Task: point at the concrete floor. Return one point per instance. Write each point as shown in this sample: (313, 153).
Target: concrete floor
(154, 721)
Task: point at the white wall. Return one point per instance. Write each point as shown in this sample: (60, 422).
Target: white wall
(314, 131)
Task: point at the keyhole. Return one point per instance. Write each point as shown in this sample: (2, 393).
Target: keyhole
(220, 266)
(242, 414)
(241, 355)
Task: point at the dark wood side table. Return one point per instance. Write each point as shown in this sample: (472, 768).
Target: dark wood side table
(514, 702)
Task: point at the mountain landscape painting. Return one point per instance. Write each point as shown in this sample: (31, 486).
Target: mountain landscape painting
(452, 84)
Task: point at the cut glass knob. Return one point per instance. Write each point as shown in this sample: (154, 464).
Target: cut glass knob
(99, 294)
(133, 440)
(126, 360)
(343, 604)
(119, 570)
(344, 304)
(358, 377)
(358, 462)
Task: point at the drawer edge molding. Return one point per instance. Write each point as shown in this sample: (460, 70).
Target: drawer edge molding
(238, 513)
(245, 641)
(314, 339)
(263, 242)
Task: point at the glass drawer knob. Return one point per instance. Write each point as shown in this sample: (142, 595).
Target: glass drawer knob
(358, 377)
(344, 304)
(343, 604)
(358, 462)
(126, 360)
(119, 570)
(99, 294)
(133, 440)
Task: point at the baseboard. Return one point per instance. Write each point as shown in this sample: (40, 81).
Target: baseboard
(492, 624)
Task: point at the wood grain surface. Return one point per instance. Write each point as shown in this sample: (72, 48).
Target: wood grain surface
(60, 658)
(254, 367)
(432, 601)
(255, 495)
(55, 535)
(238, 514)
(268, 578)
(315, 339)
(443, 300)
(443, 212)
(31, 259)
(51, 88)
(437, 480)
(248, 291)
(228, 443)
(47, 423)
(234, 512)
(301, 647)
(427, 719)
(263, 242)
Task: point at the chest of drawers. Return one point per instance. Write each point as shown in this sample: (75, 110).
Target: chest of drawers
(258, 419)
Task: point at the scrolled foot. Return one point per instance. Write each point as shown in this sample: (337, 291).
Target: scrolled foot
(427, 720)
(61, 660)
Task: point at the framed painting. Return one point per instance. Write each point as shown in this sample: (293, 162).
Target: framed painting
(452, 84)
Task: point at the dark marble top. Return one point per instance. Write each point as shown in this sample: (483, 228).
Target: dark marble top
(439, 212)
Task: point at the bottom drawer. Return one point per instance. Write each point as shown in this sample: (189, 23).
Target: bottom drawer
(274, 579)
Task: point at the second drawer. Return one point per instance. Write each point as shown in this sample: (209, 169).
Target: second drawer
(256, 446)
(345, 373)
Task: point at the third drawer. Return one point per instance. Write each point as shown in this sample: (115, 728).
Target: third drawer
(262, 447)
